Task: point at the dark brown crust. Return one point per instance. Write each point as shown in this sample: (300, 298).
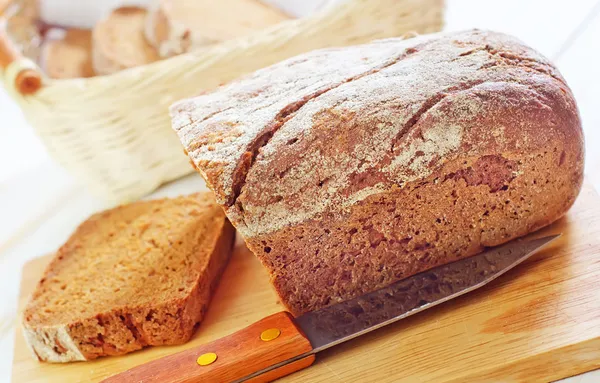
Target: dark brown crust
(394, 235)
(395, 170)
(495, 191)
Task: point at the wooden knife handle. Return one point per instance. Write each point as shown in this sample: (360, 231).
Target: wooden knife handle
(271, 340)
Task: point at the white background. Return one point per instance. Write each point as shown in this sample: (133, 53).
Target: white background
(40, 204)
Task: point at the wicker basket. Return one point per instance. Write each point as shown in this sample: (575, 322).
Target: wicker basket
(113, 132)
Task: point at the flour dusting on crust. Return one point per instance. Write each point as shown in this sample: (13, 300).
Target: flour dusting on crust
(321, 132)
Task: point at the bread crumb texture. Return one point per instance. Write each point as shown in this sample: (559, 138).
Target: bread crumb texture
(347, 169)
(137, 275)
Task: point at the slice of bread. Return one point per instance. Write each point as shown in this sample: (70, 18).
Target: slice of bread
(177, 26)
(137, 275)
(69, 56)
(119, 42)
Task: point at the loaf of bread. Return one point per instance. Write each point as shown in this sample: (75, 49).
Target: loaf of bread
(134, 276)
(69, 56)
(119, 42)
(348, 169)
(178, 26)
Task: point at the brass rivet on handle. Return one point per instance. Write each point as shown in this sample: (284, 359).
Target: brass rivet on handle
(270, 334)
(206, 359)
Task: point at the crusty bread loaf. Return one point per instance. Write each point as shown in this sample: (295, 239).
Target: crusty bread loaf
(119, 42)
(137, 275)
(69, 56)
(177, 26)
(348, 169)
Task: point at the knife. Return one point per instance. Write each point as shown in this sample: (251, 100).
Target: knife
(280, 344)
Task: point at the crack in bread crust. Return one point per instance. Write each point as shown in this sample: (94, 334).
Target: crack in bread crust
(285, 114)
(224, 153)
(430, 104)
(406, 164)
(513, 59)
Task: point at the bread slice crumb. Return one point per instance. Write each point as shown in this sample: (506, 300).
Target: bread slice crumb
(137, 275)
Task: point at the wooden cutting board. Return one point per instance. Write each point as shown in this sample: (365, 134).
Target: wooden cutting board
(539, 322)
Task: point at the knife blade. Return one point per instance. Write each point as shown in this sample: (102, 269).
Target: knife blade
(280, 344)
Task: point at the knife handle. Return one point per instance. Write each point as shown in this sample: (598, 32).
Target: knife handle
(265, 343)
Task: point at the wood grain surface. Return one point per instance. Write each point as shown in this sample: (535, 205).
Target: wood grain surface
(539, 322)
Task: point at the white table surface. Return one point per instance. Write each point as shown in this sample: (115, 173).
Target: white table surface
(40, 204)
